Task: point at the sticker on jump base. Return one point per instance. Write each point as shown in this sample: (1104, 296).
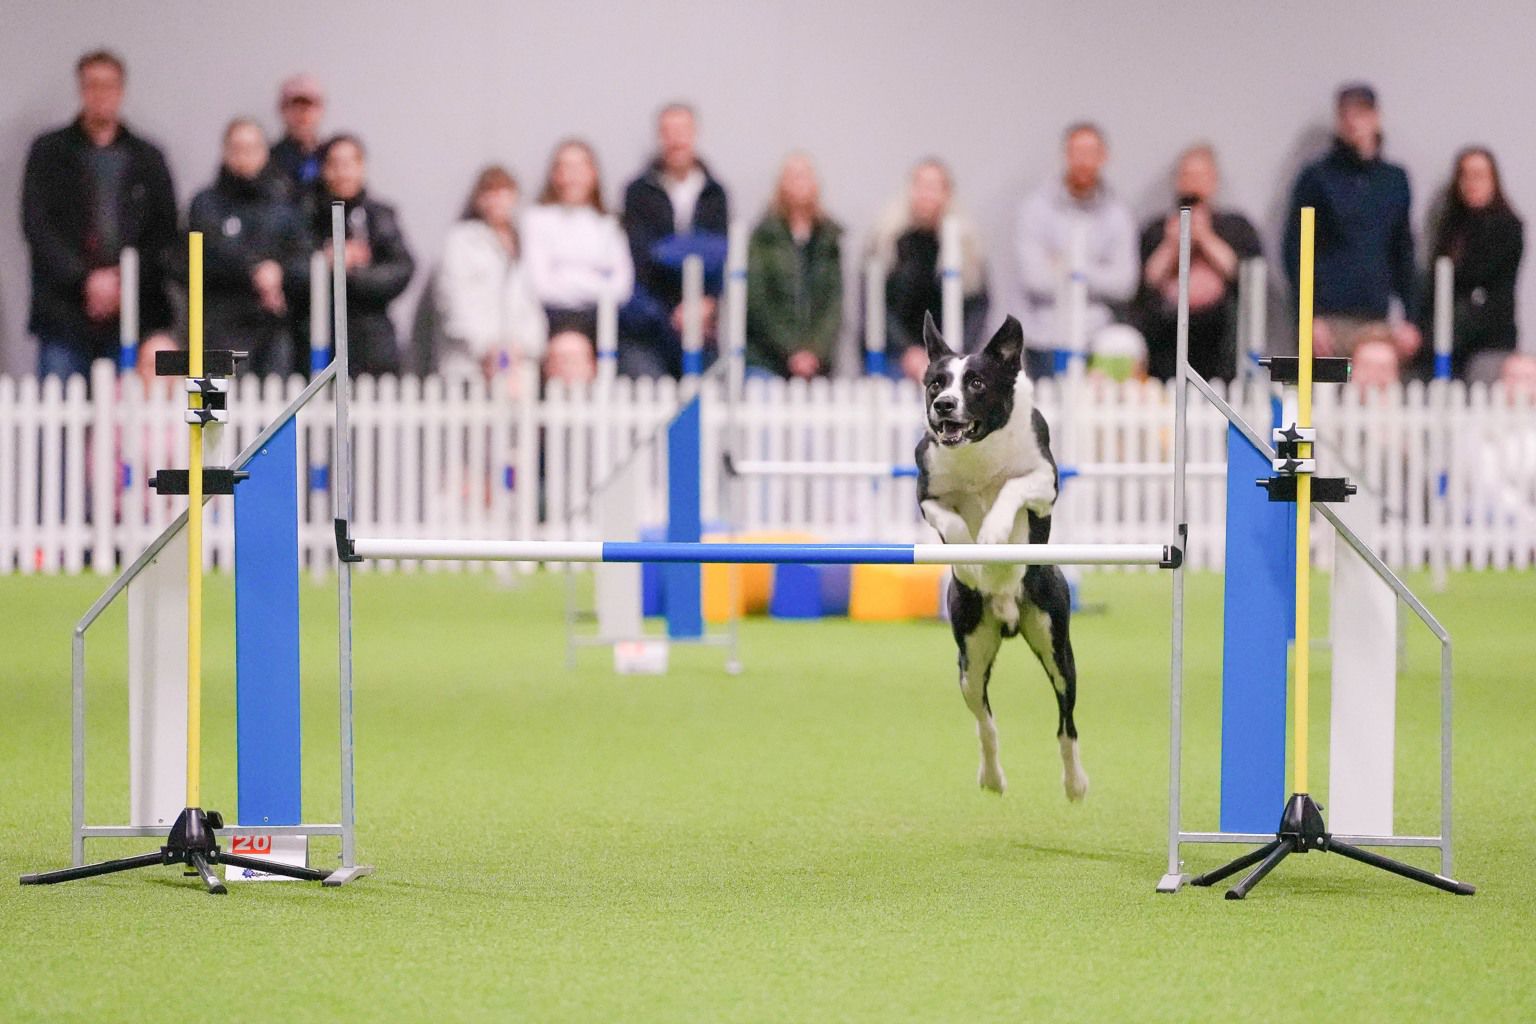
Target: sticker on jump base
(283, 849)
(640, 657)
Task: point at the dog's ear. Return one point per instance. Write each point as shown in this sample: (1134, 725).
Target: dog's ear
(1007, 345)
(937, 347)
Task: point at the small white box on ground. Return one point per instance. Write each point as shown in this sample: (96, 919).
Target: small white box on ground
(283, 849)
(640, 657)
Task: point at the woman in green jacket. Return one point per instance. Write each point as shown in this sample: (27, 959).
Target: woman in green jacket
(794, 280)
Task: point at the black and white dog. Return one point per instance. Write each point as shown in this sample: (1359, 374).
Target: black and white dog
(986, 476)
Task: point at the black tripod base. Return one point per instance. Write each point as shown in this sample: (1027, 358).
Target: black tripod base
(192, 842)
(1302, 830)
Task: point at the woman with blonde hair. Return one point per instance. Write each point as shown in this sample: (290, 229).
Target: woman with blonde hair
(491, 317)
(795, 265)
(906, 242)
(576, 253)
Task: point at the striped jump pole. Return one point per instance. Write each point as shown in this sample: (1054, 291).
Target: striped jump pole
(1166, 556)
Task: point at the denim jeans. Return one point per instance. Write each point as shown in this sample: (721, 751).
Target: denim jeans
(57, 357)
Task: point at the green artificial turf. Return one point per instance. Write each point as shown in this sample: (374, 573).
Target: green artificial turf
(802, 842)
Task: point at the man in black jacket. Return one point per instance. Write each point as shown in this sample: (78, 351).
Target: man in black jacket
(250, 233)
(1364, 242)
(90, 190)
(677, 196)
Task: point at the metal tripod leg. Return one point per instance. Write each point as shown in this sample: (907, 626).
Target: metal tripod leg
(274, 868)
(214, 883)
(106, 867)
(1212, 877)
(1279, 850)
(1376, 860)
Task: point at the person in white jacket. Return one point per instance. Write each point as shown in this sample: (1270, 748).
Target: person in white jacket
(1069, 230)
(491, 317)
(576, 252)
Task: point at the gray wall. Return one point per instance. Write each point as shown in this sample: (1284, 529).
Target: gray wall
(438, 89)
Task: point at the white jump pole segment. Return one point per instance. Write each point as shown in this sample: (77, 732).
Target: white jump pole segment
(1075, 341)
(128, 315)
(874, 317)
(693, 322)
(1364, 701)
(1444, 325)
(157, 691)
(735, 312)
(607, 335)
(1445, 308)
(1173, 878)
(952, 285)
(319, 313)
(813, 554)
(341, 484)
(1253, 323)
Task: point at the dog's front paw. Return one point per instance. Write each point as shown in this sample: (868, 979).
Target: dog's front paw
(990, 777)
(993, 532)
(1041, 508)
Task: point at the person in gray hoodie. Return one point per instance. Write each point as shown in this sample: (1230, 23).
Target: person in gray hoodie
(1074, 228)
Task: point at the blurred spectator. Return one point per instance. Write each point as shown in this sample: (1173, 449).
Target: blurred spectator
(673, 209)
(250, 232)
(575, 252)
(906, 242)
(297, 154)
(795, 266)
(91, 189)
(1485, 239)
(1219, 241)
(1074, 226)
(1518, 376)
(491, 317)
(378, 262)
(1375, 364)
(1364, 243)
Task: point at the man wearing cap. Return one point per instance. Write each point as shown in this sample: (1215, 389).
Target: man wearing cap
(297, 155)
(1364, 242)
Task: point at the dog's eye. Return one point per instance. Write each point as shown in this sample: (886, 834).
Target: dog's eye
(935, 388)
(977, 385)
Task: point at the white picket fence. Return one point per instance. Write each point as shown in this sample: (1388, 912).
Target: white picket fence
(1453, 468)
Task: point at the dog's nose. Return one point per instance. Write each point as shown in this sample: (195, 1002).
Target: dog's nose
(944, 405)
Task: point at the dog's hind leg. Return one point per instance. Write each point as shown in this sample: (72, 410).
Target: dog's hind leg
(1044, 623)
(978, 636)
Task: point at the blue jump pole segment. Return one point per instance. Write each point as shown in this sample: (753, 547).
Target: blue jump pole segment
(1258, 606)
(269, 770)
(682, 581)
(874, 363)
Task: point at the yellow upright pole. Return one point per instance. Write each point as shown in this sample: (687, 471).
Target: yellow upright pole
(195, 526)
(1301, 661)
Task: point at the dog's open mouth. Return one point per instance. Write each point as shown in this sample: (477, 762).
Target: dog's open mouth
(952, 432)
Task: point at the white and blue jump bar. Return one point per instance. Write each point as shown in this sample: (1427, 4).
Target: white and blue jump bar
(877, 470)
(1163, 555)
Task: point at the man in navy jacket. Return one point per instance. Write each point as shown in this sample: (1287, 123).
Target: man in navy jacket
(90, 190)
(676, 205)
(1364, 241)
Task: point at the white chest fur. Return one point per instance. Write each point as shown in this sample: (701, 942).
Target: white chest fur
(968, 478)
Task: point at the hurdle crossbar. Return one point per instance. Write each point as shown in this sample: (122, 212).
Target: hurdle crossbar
(1163, 555)
(897, 471)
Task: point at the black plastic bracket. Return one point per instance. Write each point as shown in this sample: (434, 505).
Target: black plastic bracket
(344, 547)
(217, 362)
(1324, 488)
(215, 480)
(1325, 369)
(1173, 554)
